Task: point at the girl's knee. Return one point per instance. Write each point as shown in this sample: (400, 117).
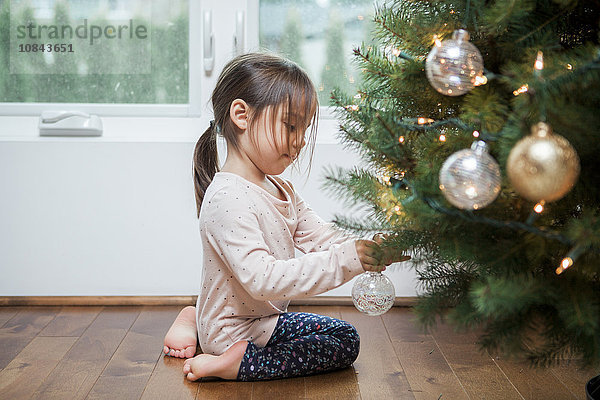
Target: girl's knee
(350, 331)
(356, 345)
(352, 341)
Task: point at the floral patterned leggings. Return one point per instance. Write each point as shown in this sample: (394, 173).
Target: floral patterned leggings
(301, 344)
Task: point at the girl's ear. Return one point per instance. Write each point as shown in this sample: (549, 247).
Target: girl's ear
(239, 112)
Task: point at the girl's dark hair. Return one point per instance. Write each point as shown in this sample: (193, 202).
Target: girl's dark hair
(263, 81)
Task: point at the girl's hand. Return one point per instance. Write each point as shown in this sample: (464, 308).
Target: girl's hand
(368, 254)
(389, 255)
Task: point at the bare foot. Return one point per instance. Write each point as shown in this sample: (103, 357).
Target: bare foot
(182, 337)
(225, 366)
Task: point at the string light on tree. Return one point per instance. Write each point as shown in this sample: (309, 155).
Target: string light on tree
(454, 66)
(480, 80)
(543, 166)
(539, 61)
(539, 207)
(522, 89)
(564, 264)
(570, 259)
(470, 178)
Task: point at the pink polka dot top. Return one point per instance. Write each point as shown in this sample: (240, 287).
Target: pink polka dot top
(250, 271)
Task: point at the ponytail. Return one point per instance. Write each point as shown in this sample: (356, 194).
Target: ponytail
(205, 163)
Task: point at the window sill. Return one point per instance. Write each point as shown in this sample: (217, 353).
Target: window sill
(115, 129)
(142, 129)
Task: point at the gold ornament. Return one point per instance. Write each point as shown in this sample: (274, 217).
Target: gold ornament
(543, 166)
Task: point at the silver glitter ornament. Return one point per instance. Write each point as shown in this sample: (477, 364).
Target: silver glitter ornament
(373, 293)
(453, 66)
(470, 178)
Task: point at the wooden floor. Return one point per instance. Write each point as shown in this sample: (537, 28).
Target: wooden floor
(115, 353)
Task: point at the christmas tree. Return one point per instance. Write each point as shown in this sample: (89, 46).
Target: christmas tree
(500, 213)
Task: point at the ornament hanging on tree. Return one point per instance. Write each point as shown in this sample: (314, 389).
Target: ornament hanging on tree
(453, 65)
(373, 293)
(543, 166)
(470, 178)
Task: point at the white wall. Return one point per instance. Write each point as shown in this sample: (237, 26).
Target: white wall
(116, 216)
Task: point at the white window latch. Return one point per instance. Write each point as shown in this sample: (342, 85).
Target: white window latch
(209, 42)
(239, 38)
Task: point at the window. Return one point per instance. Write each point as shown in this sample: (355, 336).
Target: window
(94, 52)
(319, 35)
(161, 71)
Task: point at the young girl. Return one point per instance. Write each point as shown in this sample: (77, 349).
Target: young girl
(250, 223)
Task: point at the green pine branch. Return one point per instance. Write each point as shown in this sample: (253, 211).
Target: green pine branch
(491, 269)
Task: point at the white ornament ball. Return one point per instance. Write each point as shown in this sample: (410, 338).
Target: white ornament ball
(470, 179)
(373, 293)
(453, 66)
